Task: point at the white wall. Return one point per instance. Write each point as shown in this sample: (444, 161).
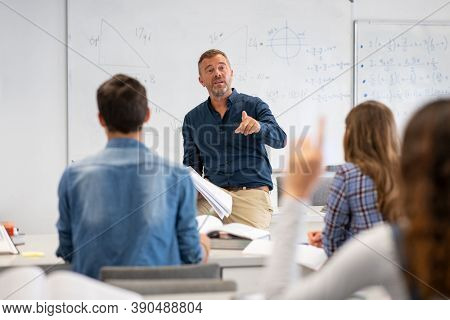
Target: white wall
(33, 101)
(32, 112)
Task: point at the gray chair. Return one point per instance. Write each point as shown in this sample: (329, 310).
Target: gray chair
(319, 196)
(171, 286)
(194, 271)
(168, 279)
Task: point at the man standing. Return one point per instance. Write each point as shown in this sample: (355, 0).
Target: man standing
(125, 206)
(225, 138)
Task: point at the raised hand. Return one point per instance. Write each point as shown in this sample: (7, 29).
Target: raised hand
(305, 166)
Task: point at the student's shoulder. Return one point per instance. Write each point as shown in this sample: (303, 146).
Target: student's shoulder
(349, 170)
(170, 169)
(85, 162)
(77, 168)
(181, 178)
(380, 231)
(379, 238)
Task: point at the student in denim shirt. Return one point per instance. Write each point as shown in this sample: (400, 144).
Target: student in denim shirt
(126, 206)
(364, 189)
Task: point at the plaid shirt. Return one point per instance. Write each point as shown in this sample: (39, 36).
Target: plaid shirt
(352, 207)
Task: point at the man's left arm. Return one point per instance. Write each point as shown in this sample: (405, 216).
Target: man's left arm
(186, 226)
(270, 132)
(65, 248)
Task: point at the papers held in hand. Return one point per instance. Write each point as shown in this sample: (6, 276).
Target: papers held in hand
(6, 244)
(219, 200)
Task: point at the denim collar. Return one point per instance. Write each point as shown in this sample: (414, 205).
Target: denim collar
(124, 143)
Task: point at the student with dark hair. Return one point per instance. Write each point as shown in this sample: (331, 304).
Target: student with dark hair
(410, 259)
(364, 190)
(126, 205)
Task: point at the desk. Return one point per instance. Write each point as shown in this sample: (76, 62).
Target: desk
(235, 265)
(46, 243)
(245, 270)
(313, 220)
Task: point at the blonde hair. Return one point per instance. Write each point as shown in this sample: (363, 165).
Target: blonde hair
(372, 144)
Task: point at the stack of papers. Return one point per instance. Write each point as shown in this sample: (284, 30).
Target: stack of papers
(219, 200)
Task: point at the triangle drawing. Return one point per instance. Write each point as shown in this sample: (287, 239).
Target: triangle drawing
(115, 50)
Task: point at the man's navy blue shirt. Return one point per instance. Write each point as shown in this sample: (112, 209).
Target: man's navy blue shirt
(226, 158)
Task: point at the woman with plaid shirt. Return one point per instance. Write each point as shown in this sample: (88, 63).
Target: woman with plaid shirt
(363, 191)
(409, 259)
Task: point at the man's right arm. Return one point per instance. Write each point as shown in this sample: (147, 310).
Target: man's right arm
(191, 156)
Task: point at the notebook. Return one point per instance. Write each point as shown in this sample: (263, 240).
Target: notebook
(212, 225)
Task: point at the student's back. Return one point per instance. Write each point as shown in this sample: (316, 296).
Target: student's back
(351, 207)
(363, 191)
(126, 205)
(409, 260)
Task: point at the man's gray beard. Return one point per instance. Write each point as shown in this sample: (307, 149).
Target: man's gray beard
(219, 94)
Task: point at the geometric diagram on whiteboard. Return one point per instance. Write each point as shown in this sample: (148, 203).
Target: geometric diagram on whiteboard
(286, 43)
(144, 76)
(115, 50)
(234, 44)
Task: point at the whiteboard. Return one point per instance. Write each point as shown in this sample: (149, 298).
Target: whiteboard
(280, 51)
(402, 64)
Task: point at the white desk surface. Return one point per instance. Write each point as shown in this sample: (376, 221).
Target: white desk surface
(47, 244)
(44, 243)
(247, 268)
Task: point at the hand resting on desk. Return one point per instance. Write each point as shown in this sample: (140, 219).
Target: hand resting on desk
(315, 238)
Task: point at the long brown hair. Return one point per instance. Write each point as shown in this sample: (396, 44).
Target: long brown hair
(371, 142)
(425, 194)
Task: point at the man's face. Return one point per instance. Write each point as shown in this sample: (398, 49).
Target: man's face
(216, 76)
